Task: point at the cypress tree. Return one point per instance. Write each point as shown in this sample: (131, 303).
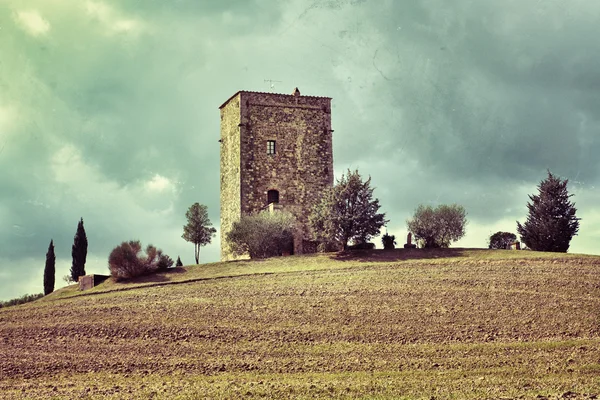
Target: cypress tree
(79, 252)
(49, 270)
(551, 223)
(179, 263)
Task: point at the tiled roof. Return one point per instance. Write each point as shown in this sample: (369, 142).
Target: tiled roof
(279, 94)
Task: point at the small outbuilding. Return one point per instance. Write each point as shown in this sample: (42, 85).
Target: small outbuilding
(89, 281)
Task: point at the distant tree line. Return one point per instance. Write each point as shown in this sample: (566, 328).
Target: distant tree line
(21, 300)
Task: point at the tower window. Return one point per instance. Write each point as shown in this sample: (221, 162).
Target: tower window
(270, 147)
(272, 196)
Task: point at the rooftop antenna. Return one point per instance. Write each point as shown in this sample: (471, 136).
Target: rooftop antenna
(271, 83)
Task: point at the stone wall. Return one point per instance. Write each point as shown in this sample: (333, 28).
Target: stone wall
(89, 281)
(230, 171)
(301, 168)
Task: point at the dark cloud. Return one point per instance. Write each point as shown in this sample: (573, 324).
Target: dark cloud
(108, 110)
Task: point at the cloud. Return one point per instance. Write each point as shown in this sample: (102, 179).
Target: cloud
(85, 184)
(32, 22)
(158, 184)
(113, 21)
(7, 118)
(114, 117)
(32, 282)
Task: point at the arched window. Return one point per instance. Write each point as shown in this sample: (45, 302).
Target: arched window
(272, 196)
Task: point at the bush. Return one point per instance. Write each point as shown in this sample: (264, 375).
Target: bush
(328, 246)
(127, 260)
(362, 246)
(388, 241)
(262, 235)
(501, 240)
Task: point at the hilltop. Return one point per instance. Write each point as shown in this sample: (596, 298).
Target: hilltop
(438, 323)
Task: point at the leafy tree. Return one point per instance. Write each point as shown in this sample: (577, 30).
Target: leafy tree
(551, 223)
(128, 261)
(49, 270)
(347, 212)
(178, 263)
(262, 235)
(199, 229)
(79, 252)
(501, 240)
(438, 227)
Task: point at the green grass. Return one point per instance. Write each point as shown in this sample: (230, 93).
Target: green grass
(456, 323)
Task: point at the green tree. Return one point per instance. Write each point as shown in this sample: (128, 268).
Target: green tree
(440, 226)
(551, 223)
(79, 252)
(262, 235)
(347, 212)
(49, 270)
(178, 263)
(198, 229)
(501, 240)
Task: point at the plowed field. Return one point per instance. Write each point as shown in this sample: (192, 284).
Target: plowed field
(407, 324)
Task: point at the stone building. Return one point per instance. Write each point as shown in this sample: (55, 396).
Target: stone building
(276, 153)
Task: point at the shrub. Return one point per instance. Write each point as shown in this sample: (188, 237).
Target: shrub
(262, 235)
(362, 246)
(128, 261)
(501, 240)
(388, 241)
(178, 263)
(328, 246)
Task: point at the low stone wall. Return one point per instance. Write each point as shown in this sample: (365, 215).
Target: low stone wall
(89, 281)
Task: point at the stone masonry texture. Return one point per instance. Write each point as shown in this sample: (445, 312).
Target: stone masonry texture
(301, 169)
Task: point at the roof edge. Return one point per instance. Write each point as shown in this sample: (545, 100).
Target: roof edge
(279, 94)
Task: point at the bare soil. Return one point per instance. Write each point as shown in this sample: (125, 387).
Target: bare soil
(464, 327)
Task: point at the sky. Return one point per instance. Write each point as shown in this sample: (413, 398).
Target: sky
(109, 112)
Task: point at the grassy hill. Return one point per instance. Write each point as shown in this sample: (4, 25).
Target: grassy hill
(406, 324)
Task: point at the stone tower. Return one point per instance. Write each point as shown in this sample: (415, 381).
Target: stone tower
(276, 153)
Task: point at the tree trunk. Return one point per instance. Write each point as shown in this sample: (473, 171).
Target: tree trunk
(197, 252)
